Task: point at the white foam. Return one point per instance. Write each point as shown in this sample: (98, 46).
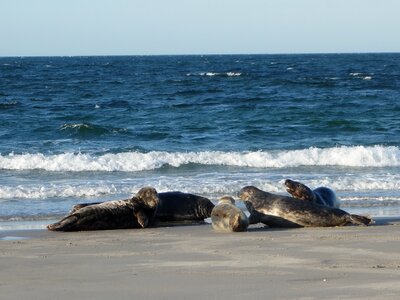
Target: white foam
(357, 156)
(233, 74)
(214, 185)
(357, 183)
(211, 74)
(74, 126)
(55, 191)
(362, 76)
(377, 187)
(22, 225)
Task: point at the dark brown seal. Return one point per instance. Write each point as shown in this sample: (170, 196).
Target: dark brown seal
(137, 212)
(321, 195)
(285, 211)
(225, 216)
(176, 207)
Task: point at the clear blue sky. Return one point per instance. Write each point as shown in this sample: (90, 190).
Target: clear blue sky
(119, 27)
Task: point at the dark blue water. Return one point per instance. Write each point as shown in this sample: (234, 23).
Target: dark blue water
(90, 127)
(187, 103)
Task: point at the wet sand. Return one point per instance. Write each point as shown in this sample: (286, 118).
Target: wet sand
(194, 262)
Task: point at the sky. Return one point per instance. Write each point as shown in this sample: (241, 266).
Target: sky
(164, 27)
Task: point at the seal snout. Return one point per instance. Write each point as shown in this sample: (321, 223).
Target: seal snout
(293, 187)
(242, 194)
(290, 184)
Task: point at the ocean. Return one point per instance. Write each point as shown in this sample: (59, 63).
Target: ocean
(81, 129)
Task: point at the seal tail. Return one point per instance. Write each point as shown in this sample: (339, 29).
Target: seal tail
(360, 220)
(65, 224)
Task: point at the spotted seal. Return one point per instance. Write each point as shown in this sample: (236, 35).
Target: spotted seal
(285, 211)
(137, 212)
(175, 207)
(321, 195)
(225, 216)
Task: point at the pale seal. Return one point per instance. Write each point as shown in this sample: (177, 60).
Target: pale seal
(225, 216)
(285, 211)
(137, 212)
(176, 207)
(321, 195)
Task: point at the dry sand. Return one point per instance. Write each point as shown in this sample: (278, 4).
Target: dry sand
(194, 262)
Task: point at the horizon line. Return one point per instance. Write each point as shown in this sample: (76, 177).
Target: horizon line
(202, 54)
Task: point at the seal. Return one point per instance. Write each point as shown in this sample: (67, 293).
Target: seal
(286, 211)
(175, 207)
(137, 212)
(321, 195)
(181, 207)
(225, 216)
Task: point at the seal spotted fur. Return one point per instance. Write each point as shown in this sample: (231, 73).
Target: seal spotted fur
(175, 207)
(292, 212)
(321, 195)
(227, 217)
(137, 212)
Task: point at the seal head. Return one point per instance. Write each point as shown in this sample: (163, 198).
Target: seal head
(227, 217)
(321, 195)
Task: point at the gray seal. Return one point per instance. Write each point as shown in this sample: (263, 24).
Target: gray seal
(282, 211)
(175, 207)
(137, 212)
(225, 216)
(183, 207)
(321, 195)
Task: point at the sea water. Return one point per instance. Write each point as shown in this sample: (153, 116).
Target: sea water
(81, 129)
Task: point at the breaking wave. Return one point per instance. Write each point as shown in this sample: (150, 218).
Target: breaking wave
(357, 156)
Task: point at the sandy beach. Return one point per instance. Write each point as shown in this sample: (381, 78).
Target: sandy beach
(195, 262)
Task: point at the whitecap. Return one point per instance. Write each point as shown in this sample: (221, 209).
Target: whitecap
(232, 74)
(356, 156)
(74, 126)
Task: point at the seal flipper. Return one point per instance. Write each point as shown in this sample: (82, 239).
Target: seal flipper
(141, 218)
(77, 207)
(277, 222)
(64, 225)
(360, 220)
(254, 217)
